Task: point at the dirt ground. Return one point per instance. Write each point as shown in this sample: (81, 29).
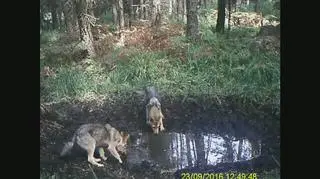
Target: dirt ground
(61, 120)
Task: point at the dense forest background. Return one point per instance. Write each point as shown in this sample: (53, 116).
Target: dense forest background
(92, 48)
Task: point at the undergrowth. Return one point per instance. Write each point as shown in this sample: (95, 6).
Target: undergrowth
(219, 66)
(49, 36)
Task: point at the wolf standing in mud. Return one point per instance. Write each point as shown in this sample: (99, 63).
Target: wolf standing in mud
(90, 136)
(154, 116)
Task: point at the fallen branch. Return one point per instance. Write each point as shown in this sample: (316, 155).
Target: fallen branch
(94, 174)
(276, 161)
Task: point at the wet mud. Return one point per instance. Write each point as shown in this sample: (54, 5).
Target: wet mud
(196, 139)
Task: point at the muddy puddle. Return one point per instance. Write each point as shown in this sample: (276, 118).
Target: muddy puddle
(173, 151)
(194, 140)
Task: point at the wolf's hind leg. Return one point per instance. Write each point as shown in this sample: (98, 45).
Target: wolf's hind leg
(147, 115)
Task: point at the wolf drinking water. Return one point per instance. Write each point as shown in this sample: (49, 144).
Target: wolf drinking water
(154, 116)
(90, 136)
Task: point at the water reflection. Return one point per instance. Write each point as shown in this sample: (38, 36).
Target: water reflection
(176, 150)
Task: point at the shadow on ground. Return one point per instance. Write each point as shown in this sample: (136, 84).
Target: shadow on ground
(202, 138)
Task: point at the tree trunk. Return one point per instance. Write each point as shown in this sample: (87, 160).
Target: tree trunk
(115, 13)
(67, 20)
(237, 4)
(192, 20)
(146, 10)
(178, 8)
(131, 15)
(170, 8)
(184, 11)
(221, 16)
(229, 14)
(257, 6)
(174, 7)
(121, 14)
(141, 9)
(155, 10)
(83, 8)
(41, 21)
(59, 19)
(61, 15)
(53, 9)
(277, 5)
(205, 3)
(70, 17)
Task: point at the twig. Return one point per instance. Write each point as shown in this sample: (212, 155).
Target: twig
(168, 171)
(88, 15)
(218, 100)
(94, 174)
(276, 160)
(66, 2)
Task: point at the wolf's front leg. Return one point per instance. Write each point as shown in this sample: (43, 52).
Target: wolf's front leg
(114, 152)
(161, 126)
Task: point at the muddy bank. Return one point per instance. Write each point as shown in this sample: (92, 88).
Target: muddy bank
(196, 135)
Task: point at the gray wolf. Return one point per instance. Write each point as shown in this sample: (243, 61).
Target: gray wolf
(154, 116)
(90, 136)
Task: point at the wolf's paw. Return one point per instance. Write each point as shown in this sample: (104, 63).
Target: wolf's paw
(162, 128)
(97, 159)
(104, 158)
(120, 161)
(96, 163)
(99, 165)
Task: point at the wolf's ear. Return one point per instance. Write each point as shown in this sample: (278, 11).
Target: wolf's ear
(125, 134)
(108, 126)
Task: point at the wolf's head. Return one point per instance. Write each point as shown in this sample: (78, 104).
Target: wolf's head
(155, 116)
(122, 142)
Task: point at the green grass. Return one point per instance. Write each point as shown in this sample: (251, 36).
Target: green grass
(230, 69)
(49, 37)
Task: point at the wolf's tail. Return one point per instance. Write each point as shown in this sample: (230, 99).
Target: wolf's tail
(151, 92)
(68, 146)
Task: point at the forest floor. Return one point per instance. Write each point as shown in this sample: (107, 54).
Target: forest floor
(225, 80)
